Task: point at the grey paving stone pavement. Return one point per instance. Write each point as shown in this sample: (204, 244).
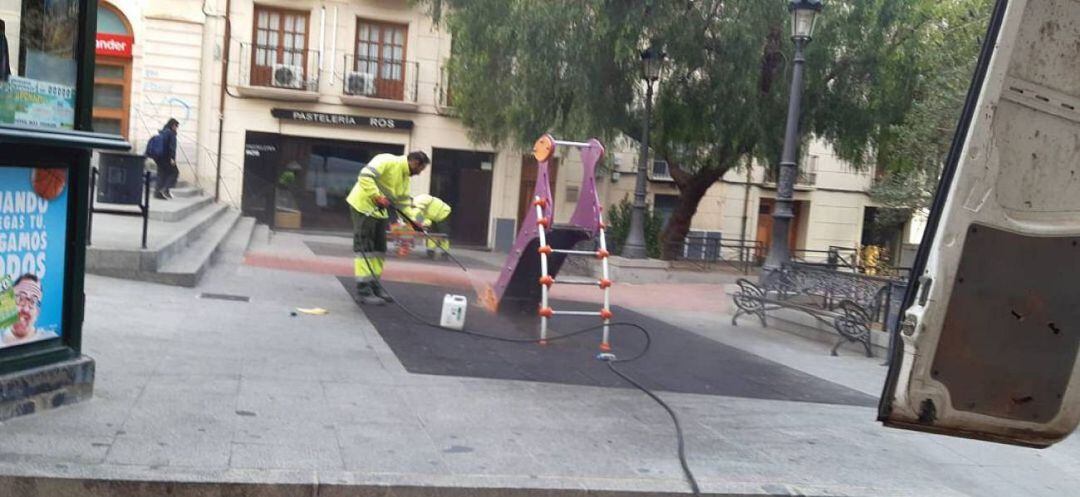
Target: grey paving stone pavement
(198, 390)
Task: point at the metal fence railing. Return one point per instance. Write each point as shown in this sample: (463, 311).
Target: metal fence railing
(375, 77)
(444, 96)
(705, 252)
(886, 293)
(844, 257)
(804, 178)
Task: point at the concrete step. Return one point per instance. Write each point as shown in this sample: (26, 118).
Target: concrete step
(238, 241)
(173, 210)
(115, 250)
(185, 192)
(204, 220)
(187, 267)
(261, 237)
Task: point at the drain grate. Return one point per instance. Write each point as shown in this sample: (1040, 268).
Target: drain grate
(225, 296)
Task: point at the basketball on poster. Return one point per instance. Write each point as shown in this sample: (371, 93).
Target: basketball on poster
(33, 226)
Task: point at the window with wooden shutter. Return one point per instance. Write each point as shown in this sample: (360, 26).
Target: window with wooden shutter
(280, 38)
(380, 52)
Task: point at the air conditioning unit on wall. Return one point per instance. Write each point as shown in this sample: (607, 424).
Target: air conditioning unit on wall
(360, 83)
(286, 76)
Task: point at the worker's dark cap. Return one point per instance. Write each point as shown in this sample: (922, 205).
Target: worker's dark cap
(420, 157)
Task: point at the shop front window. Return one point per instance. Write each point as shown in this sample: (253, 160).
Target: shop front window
(328, 174)
(38, 67)
(293, 182)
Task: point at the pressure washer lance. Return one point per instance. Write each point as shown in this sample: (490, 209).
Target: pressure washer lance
(429, 238)
(419, 228)
(608, 358)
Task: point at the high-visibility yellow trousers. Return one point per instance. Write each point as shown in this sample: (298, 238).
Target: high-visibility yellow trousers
(368, 269)
(433, 242)
(369, 247)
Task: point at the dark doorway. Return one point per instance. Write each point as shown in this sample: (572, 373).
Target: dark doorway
(665, 205)
(765, 225)
(463, 179)
(528, 183)
(301, 183)
(260, 172)
(883, 227)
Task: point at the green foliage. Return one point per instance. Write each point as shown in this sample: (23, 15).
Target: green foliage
(519, 66)
(618, 222)
(914, 154)
(572, 67)
(287, 179)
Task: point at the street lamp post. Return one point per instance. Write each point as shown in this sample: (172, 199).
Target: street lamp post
(803, 17)
(634, 248)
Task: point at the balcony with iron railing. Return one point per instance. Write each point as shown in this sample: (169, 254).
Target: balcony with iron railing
(279, 73)
(381, 83)
(805, 179)
(443, 97)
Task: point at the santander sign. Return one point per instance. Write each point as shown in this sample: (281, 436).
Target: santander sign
(112, 45)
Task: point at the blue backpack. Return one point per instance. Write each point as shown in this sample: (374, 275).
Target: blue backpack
(155, 148)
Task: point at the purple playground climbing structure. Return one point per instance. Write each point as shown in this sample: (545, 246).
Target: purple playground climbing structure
(542, 246)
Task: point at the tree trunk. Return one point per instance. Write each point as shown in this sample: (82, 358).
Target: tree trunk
(692, 189)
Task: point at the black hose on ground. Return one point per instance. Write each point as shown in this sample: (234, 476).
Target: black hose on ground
(607, 358)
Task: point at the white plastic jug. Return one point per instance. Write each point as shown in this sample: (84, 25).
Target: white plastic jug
(453, 311)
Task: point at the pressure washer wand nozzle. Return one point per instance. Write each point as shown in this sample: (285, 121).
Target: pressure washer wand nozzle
(424, 232)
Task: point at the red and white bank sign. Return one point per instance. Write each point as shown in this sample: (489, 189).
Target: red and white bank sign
(114, 45)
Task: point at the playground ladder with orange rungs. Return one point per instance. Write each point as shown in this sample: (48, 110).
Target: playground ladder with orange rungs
(546, 280)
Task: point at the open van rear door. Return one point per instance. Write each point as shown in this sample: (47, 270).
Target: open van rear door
(988, 344)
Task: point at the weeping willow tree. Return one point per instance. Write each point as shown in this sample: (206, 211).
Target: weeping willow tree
(912, 159)
(524, 67)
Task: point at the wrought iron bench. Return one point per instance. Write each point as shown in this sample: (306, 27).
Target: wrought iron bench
(849, 302)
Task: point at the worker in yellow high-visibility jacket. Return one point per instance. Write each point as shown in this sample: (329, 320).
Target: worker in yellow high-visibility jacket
(382, 183)
(432, 214)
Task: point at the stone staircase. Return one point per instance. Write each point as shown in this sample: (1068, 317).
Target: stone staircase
(184, 235)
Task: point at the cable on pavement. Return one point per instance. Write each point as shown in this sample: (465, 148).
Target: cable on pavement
(609, 359)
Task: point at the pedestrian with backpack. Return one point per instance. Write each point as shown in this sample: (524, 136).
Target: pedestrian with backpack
(162, 148)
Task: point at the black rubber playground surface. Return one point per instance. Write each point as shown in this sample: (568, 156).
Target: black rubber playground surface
(677, 360)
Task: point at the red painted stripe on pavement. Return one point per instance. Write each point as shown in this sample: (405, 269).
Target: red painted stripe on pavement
(689, 297)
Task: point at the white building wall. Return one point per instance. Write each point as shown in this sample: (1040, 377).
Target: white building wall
(835, 220)
(831, 207)
(432, 126)
(174, 37)
(835, 174)
(424, 44)
(169, 85)
(11, 13)
(740, 201)
(165, 74)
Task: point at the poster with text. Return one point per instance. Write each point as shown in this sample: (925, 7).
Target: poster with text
(33, 227)
(36, 103)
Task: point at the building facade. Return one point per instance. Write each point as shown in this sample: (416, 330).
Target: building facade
(282, 102)
(833, 208)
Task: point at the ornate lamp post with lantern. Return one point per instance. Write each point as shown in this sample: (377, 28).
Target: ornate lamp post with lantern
(803, 18)
(652, 62)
